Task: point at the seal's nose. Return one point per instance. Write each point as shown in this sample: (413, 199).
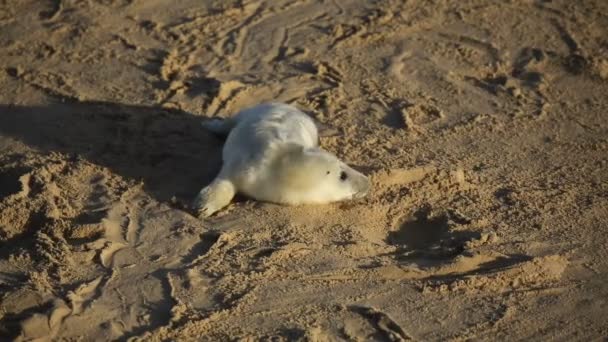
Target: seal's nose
(363, 185)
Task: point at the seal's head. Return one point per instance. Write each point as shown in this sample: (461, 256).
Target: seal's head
(312, 175)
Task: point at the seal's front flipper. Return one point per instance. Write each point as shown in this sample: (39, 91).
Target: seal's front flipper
(214, 197)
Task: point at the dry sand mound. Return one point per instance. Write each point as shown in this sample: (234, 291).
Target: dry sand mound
(484, 127)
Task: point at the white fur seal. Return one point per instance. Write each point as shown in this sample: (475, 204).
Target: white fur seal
(272, 154)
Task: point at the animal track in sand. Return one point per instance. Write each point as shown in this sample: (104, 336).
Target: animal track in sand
(383, 323)
(398, 184)
(391, 177)
(198, 250)
(503, 273)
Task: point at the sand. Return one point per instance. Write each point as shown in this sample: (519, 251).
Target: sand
(483, 125)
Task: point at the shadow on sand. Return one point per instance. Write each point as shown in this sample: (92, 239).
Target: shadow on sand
(166, 149)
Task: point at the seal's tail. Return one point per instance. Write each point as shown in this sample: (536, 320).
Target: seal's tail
(219, 126)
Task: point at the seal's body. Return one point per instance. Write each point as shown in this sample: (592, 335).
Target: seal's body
(272, 154)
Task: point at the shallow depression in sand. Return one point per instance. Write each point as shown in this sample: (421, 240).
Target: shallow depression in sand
(11, 181)
(428, 239)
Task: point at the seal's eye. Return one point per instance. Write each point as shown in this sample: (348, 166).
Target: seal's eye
(343, 176)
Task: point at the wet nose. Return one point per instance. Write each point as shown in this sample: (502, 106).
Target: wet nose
(363, 186)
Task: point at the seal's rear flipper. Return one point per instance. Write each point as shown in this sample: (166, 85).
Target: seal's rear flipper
(219, 126)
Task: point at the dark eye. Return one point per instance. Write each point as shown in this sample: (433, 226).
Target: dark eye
(343, 176)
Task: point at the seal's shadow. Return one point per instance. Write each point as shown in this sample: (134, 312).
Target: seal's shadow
(166, 149)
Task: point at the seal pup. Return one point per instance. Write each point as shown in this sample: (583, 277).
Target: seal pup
(271, 154)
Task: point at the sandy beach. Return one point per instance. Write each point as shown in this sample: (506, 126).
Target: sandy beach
(483, 126)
